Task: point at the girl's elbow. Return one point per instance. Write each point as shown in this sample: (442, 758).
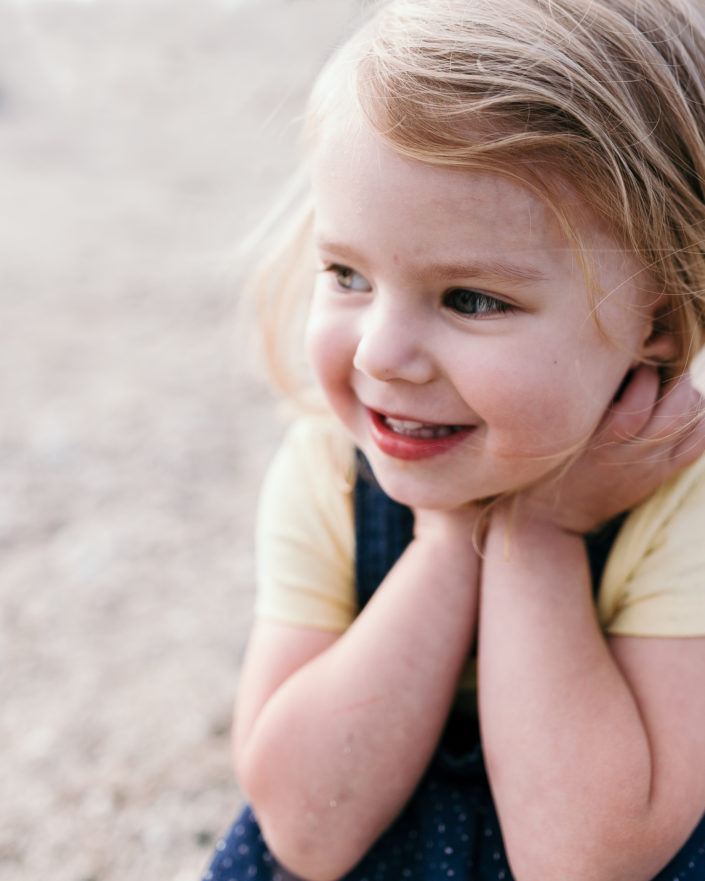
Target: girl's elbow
(553, 866)
(308, 855)
(295, 837)
(585, 858)
(306, 865)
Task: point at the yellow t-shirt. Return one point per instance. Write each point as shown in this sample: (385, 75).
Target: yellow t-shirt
(653, 583)
(305, 536)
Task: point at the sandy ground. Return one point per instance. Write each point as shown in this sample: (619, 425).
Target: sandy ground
(138, 142)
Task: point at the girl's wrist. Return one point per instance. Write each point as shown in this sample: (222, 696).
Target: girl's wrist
(519, 522)
(538, 555)
(540, 513)
(456, 530)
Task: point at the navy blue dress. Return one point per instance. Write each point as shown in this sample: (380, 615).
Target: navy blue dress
(449, 828)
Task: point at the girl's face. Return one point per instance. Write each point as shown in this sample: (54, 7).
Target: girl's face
(451, 329)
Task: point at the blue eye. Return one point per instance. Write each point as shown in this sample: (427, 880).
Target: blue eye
(347, 278)
(465, 301)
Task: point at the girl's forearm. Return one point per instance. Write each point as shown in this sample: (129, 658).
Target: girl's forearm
(566, 750)
(339, 747)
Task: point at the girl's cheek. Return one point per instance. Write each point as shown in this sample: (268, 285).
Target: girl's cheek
(315, 350)
(315, 335)
(535, 405)
(327, 348)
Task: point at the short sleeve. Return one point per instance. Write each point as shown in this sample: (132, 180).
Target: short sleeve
(654, 580)
(305, 532)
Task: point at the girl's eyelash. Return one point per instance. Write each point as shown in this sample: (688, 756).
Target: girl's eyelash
(333, 268)
(466, 301)
(344, 276)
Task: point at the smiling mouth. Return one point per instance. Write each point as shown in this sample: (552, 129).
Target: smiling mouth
(420, 430)
(410, 440)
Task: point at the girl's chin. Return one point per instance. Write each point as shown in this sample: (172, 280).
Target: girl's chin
(425, 494)
(406, 483)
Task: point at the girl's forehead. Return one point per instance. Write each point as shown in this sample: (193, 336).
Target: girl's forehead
(358, 177)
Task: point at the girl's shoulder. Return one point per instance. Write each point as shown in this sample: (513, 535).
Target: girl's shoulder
(654, 580)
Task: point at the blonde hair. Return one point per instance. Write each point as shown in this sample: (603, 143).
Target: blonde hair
(607, 96)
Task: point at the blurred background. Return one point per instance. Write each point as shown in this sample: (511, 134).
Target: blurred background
(139, 141)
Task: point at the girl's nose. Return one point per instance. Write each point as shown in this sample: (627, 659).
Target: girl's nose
(393, 346)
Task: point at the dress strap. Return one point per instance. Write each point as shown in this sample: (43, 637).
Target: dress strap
(383, 529)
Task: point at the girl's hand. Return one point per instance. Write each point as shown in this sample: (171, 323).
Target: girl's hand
(644, 438)
(457, 528)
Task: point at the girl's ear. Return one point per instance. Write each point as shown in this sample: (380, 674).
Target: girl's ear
(660, 345)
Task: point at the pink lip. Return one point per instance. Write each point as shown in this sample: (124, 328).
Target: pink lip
(411, 448)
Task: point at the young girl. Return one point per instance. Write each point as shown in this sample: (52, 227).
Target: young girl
(479, 650)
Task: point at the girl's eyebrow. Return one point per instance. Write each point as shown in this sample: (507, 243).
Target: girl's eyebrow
(491, 269)
(501, 269)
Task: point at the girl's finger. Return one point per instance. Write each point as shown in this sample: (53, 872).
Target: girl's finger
(676, 414)
(692, 444)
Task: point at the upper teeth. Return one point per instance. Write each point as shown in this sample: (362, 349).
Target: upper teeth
(404, 424)
(421, 430)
